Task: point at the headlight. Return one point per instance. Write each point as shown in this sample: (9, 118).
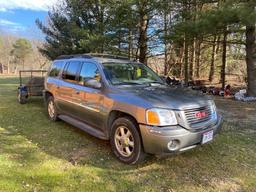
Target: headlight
(160, 117)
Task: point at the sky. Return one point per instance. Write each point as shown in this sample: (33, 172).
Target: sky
(17, 17)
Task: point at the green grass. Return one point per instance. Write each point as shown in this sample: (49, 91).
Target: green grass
(39, 155)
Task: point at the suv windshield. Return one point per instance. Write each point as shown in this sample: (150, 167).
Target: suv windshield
(130, 74)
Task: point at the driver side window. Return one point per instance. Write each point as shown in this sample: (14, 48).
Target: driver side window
(88, 72)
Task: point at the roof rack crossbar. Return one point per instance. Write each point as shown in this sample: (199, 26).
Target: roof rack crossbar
(108, 56)
(74, 56)
(91, 55)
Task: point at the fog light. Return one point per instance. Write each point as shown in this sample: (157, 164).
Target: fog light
(173, 145)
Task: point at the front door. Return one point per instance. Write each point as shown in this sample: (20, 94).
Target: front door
(90, 100)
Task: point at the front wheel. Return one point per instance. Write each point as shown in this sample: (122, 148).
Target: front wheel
(51, 109)
(126, 142)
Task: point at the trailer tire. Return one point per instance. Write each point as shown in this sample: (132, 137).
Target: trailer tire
(22, 99)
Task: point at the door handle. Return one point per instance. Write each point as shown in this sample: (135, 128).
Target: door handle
(77, 92)
(58, 87)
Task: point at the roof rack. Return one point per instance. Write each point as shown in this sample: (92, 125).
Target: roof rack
(74, 56)
(108, 56)
(91, 55)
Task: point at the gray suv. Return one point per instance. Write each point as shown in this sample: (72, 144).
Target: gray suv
(116, 99)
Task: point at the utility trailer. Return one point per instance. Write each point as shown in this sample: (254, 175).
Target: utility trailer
(31, 84)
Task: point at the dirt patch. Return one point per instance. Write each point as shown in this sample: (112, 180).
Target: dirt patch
(236, 110)
(77, 155)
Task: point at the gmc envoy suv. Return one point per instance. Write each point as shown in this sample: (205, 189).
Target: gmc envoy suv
(125, 102)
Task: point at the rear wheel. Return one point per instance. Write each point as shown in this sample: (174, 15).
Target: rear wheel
(126, 142)
(51, 109)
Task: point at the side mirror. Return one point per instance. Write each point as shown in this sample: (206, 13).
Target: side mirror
(92, 83)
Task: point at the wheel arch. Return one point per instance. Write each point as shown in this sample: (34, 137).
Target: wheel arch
(115, 114)
(47, 94)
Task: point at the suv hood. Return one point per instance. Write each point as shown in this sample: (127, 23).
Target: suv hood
(167, 97)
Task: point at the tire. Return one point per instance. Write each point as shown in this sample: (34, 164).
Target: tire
(126, 142)
(22, 99)
(51, 109)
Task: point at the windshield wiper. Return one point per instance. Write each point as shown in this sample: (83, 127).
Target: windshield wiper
(155, 82)
(128, 83)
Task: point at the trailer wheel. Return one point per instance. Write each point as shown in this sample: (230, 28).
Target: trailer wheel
(22, 99)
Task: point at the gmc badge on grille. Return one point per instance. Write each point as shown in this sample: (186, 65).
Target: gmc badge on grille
(200, 114)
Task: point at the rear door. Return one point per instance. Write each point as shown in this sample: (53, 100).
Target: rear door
(66, 89)
(90, 100)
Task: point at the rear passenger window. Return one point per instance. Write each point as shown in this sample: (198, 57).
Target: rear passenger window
(71, 70)
(56, 68)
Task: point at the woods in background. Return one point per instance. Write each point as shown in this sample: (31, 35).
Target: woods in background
(19, 54)
(20, 51)
(196, 37)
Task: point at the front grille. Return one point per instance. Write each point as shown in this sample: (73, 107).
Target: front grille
(193, 120)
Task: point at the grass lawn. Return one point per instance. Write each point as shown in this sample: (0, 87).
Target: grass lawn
(39, 155)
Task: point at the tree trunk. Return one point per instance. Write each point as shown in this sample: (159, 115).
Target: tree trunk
(143, 33)
(186, 40)
(119, 41)
(165, 61)
(100, 21)
(23, 64)
(165, 44)
(197, 57)
(16, 69)
(191, 60)
(251, 60)
(186, 60)
(181, 61)
(193, 7)
(8, 65)
(224, 54)
(130, 45)
(212, 67)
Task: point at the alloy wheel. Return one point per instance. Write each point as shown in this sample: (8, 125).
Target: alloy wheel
(124, 141)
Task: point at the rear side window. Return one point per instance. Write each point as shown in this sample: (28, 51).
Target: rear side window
(71, 71)
(56, 68)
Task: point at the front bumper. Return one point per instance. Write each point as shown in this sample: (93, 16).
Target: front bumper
(156, 139)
